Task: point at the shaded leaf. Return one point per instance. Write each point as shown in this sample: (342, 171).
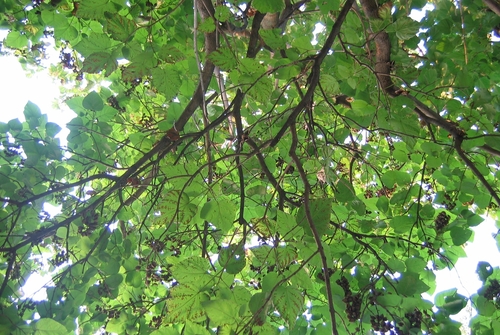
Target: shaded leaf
(289, 302)
(119, 27)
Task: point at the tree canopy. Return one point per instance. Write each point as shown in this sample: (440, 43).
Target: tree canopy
(260, 167)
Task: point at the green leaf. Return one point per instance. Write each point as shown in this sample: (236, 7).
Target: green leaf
(184, 304)
(167, 81)
(392, 300)
(117, 325)
(94, 43)
(484, 270)
(405, 28)
(95, 9)
(383, 204)
(268, 6)
(221, 213)
(32, 114)
(410, 284)
(221, 311)
(207, 26)
(326, 6)
(329, 84)
(320, 210)
(460, 235)
(176, 207)
(46, 326)
(99, 61)
(232, 258)
(224, 58)
(270, 281)
(222, 13)
(415, 264)
(454, 303)
(52, 129)
(396, 177)
(484, 306)
(16, 40)
(192, 270)
(135, 71)
(119, 27)
(15, 125)
(261, 89)
(170, 54)
(402, 224)
(273, 38)
(345, 191)
(93, 102)
(289, 302)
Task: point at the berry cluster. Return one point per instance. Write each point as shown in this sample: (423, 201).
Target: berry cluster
(90, 223)
(353, 301)
(449, 203)
(353, 308)
(69, 62)
(113, 102)
(380, 323)
(133, 83)
(385, 191)
(492, 292)
(442, 221)
(155, 322)
(156, 245)
(155, 275)
(415, 318)
(321, 275)
(111, 313)
(61, 258)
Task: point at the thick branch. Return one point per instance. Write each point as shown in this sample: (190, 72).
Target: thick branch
(206, 10)
(493, 5)
(433, 117)
(383, 51)
(490, 150)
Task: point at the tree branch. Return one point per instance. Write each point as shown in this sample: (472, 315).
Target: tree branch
(470, 165)
(317, 237)
(493, 5)
(313, 78)
(206, 10)
(490, 150)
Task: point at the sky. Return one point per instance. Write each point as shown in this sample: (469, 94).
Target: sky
(16, 89)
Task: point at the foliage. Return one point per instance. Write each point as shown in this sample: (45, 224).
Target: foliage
(230, 170)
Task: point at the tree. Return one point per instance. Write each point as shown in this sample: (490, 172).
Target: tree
(251, 168)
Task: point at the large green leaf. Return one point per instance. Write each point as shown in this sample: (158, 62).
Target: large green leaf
(99, 61)
(119, 27)
(289, 302)
(220, 212)
(320, 211)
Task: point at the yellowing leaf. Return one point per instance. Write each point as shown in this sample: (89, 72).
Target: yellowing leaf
(99, 61)
(119, 27)
(95, 9)
(176, 208)
(224, 58)
(289, 302)
(184, 304)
